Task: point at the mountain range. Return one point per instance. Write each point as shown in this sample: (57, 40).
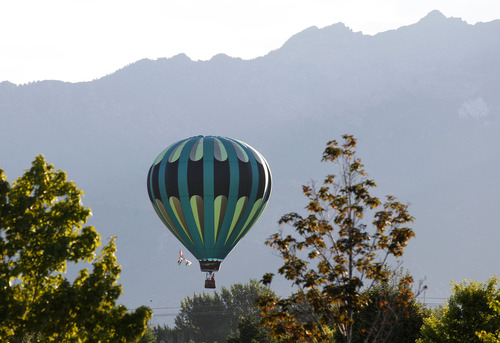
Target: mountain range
(423, 102)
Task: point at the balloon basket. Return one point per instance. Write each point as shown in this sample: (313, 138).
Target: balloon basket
(210, 280)
(210, 267)
(209, 283)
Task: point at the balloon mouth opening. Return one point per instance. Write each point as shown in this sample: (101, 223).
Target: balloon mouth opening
(210, 265)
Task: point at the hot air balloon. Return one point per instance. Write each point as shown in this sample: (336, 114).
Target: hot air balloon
(209, 191)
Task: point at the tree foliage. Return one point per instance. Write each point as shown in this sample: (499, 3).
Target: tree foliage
(470, 315)
(41, 230)
(391, 313)
(334, 254)
(165, 334)
(491, 337)
(250, 330)
(149, 336)
(212, 318)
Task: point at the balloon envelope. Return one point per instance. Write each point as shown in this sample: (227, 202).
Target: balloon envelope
(209, 191)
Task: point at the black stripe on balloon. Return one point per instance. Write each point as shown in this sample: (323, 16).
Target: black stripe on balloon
(171, 177)
(245, 185)
(221, 178)
(195, 177)
(149, 184)
(262, 181)
(269, 182)
(155, 188)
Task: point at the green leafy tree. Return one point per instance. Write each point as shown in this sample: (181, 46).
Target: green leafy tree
(334, 254)
(203, 318)
(469, 316)
(212, 318)
(250, 330)
(165, 334)
(149, 336)
(41, 231)
(490, 337)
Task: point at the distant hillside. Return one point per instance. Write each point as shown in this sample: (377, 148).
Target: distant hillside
(423, 100)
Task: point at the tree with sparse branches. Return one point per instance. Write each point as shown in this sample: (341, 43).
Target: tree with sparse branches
(41, 231)
(335, 254)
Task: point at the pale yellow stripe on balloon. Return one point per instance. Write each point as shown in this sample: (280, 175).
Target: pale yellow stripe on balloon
(197, 207)
(174, 156)
(240, 206)
(177, 208)
(199, 150)
(261, 211)
(220, 154)
(220, 204)
(250, 217)
(162, 213)
(160, 157)
(242, 155)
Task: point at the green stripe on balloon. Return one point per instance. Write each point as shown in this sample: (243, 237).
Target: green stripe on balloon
(208, 192)
(163, 193)
(176, 154)
(240, 152)
(250, 218)
(250, 158)
(197, 208)
(185, 202)
(161, 211)
(197, 151)
(240, 207)
(220, 152)
(232, 194)
(259, 213)
(160, 157)
(220, 205)
(175, 204)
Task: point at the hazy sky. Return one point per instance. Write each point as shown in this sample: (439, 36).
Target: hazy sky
(80, 40)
